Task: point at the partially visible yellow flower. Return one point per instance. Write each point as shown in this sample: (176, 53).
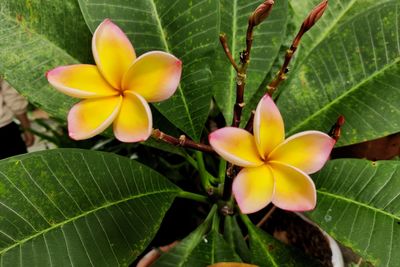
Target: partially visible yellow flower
(275, 170)
(116, 90)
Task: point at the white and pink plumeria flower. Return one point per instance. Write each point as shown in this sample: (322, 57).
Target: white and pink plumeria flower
(118, 88)
(274, 169)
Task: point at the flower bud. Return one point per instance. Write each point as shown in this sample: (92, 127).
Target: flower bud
(314, 15)
(261, 12)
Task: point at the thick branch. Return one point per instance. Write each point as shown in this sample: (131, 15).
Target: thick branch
(249, 125)
(239, 103)
(182, 141)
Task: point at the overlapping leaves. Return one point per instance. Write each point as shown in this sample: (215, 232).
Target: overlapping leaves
(353, 71)
(204, 246)
(78, 207)
(359, 205)
(37, 37)
(268, 38)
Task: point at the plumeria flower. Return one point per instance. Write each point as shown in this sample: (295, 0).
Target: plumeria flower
(274, 169)
(116, 90)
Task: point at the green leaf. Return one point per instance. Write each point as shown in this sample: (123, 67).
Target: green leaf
(76, 207)
(212, 249)
(188, 29)
(267, 251)
(353, 71)
(37, 37)
(268, 37)
(234, 237)
(335, 14)
(201, 248)
(359, 205)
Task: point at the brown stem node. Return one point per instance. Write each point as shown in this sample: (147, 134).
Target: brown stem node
(182, 141)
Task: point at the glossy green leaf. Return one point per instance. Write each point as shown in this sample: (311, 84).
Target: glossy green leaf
(352, 71)
(267, 251)
(234, 237)
(71, 207)
(359, 205)
(37, 37)
(336, 13)
(201, 248)
(188, 29)
(268, 38)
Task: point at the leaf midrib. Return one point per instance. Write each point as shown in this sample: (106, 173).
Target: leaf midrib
(256, 237)
(72, 219)
(197, 236)
(233, 53)
(348, 92)
(165, 43)
(355, 202)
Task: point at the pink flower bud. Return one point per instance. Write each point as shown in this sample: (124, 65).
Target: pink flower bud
(261, 12)
(315, 15)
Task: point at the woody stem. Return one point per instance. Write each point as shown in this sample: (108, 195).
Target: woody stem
(182, 141)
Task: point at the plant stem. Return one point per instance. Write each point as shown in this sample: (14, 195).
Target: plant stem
(224, 43)
(246, 220)
(222, 170)
(182, 141)
(215, 223)
(310, 21)
(193, 196)
(249, 124)
(191, 161)
(210, 215)
(266, 217)
(241, 76)
(221, 176)
(260, 14)
(248, 223)
(204, 175)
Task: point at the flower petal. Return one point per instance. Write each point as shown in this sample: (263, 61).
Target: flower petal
(294, 189)
(81, 81)
(134, 121)
(154, 75)
(112, 51)
(236, 146)
(268, 128)
(307, 151)
(92, 116)
(253, 188)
